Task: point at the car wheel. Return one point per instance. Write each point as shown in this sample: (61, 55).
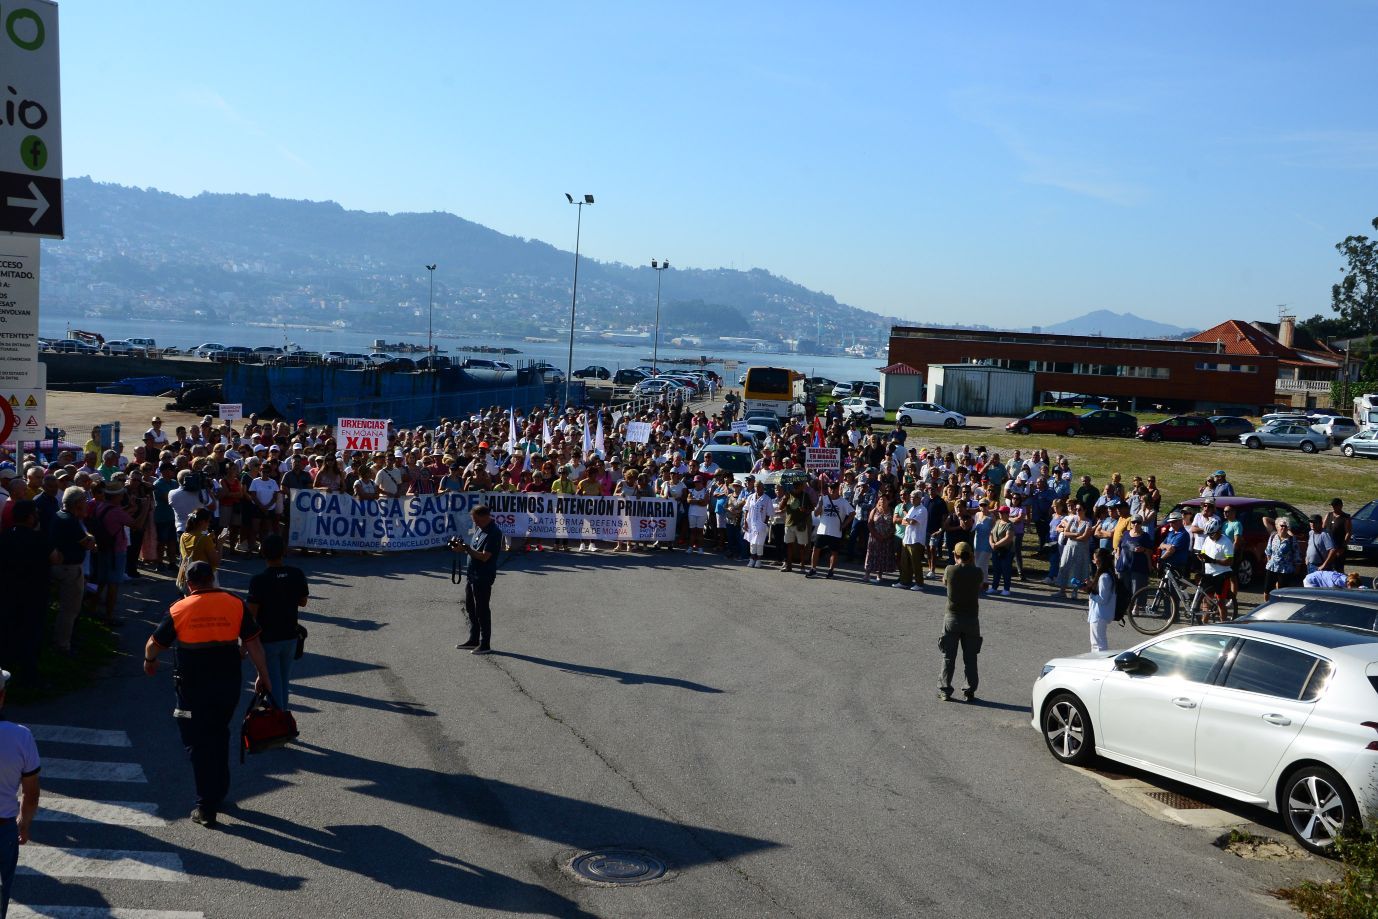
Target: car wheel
(1155, 436)
(1253, 443)
(1071, 431)
(1023, 429)
(1204, 440)
(1318, 806)
(1308, 446)
(1347, 450)
(1067, 730)
(1246, 571)
(952, 423)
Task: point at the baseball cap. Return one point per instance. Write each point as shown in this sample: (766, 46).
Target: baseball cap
(1220, 472)
(1003, 509)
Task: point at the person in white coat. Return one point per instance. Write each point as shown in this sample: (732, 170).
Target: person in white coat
(1100, 610)
(756, 522)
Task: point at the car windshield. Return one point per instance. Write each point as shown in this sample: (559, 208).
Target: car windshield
(734, 461)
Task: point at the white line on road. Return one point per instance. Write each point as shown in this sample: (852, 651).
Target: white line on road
(62, 809)
(119, 864)
(63, 733)
(96, 912)
(92, 771)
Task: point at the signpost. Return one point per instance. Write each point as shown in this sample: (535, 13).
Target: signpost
(231, 411)
(31, 144)
(370, 434)
(18, 311)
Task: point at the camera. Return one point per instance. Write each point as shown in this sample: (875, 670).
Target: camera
(456, 542)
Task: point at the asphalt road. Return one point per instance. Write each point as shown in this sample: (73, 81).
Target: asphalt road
(777, 740)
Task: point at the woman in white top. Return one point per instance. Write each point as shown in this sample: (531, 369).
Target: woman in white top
(1100, 609)
(756, 523)
(698, 513)
(1075, 531)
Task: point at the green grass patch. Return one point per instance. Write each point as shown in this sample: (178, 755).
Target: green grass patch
(94, 646)
(1353, 896)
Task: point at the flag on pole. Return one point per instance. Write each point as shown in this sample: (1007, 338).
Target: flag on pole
(598, 444)
(817, 432)
(526, 464)
(588, 440)
(545, 432)
(512, 430)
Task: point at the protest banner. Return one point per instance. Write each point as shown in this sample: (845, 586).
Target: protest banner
(740, 427)
(370, 434)
(823, 459)
(319, 520)
(231, 411)
(638, 432)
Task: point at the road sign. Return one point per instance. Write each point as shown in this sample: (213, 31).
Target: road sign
(28, 408)
(231, 411)
(30, 120)
(18, 310)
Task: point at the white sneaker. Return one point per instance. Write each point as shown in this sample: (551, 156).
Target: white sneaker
(916, 587)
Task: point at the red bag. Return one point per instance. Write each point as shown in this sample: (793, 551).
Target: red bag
(265, 726)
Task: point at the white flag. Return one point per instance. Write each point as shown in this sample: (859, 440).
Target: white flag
(598, 437)
(545, 432)
(512, 430)
(588, 441)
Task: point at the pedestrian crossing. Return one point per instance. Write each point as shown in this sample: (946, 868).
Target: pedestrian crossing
(67, 806)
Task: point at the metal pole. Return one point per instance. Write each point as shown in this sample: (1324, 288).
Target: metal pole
(569, 364)
(655, 351)
(430, 315)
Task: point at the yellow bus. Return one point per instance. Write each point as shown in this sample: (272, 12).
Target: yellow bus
(773, 389)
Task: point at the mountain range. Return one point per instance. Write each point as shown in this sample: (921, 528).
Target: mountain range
(144, 254)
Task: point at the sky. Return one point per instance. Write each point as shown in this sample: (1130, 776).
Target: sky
(1006, 163)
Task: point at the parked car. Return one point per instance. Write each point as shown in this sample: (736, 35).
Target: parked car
(1275, 714)
(148, 344)
(1047, 421)
(1288, 435)
(296, 359)
(870, 391)
(235, 354)
(1106, 421)
(1334, 427)
(379, 358)
(1250, 512)
(765, 419)
(1355, 609)
(628, 377)
(1287, 415)
(551, 374)
(929, 413)
(1365, 443)
(267, 352)
(1363, 531)
(206, 349)
(654, 387)
(1229, 427)
(842, 390)
(860, 406)
(593, 372)
(170, 350)
(435, 362)
(397, 365)
(1187, 429)
(484, 363)
(74, 346)
(121, 346)
(819, 384)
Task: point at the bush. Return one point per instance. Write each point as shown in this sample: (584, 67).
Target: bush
(1354, 895)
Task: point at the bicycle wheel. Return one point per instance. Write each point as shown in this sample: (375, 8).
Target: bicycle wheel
(1152, 609)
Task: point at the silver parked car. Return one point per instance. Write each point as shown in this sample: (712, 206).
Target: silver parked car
(1365, 443)
(1287, 434)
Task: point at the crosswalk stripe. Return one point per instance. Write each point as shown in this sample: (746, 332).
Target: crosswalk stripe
(92, 771)
(64, 733)
(96, 912)
(62, 809)
(117, 864)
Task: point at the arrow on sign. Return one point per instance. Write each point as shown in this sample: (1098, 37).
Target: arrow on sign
(38, 204)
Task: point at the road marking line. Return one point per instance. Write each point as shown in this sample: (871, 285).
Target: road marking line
(63, 733)
(96, 912)
(62, 809)
(92, 770)
(118, 864)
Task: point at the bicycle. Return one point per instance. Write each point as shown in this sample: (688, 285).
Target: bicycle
(1155, 608)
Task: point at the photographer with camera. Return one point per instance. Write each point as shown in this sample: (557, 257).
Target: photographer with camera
(484, 544)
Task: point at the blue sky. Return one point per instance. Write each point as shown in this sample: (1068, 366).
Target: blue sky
(1016, 165)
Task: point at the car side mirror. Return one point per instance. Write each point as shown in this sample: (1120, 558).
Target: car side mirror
(1128, 662)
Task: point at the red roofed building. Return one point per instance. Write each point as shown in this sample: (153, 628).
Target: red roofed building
(1305, 365)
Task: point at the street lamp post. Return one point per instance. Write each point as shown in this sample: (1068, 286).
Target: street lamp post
(574, 294)
(430, 317)
(655, 352)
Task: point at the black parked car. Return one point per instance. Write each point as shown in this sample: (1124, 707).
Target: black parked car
(1229, 427)
(593, 372)
(627, 377)
(1105, 421)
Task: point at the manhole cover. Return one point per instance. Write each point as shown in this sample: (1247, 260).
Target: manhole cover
(617, 866)
(1177, 802)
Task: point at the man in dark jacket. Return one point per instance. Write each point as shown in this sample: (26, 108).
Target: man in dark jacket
(962, 625)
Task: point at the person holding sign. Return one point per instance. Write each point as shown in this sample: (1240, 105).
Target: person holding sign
(833, 517)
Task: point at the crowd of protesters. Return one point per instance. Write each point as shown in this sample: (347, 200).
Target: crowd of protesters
(88, 523)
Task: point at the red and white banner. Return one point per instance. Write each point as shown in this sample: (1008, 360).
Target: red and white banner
(369, 434)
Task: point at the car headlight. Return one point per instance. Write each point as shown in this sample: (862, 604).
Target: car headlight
(1047, 669)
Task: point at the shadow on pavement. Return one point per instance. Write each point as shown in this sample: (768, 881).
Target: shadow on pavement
(625, 677)
(1001, 706)
(358, 701)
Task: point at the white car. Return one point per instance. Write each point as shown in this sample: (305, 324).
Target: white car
(208, 348)
(866, 408)
(1334, 427)
(655, 387)
(737, 460)
(930, 413)
(842, 390)
(380, 357)
(1276, 714)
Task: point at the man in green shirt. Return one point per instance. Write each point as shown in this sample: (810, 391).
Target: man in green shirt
(962, 625)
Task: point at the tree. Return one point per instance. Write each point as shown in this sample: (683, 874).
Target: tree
(1355, 298)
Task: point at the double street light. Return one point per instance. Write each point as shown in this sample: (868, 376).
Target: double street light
(655, 353)
(574, 296)
(430, 316)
